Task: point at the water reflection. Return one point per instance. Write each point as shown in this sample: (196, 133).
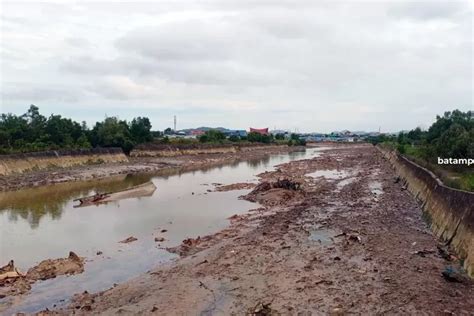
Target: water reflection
(35, 203)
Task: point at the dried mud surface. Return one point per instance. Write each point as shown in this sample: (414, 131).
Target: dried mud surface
(134, 166)
(349, 244)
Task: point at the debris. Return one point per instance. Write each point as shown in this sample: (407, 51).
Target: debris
(354, 238)
(327, 282)
(51, 268)
(164, 230)
(99, 253)
(9, 272)
(424, 252)
(452, 275)
(142, 190)
(445, 253)
(337, 258)
(336, 312)
(262, 309)
(154, 309)
(159, 239)
(396, 179)
(128, 240)
(202, 262)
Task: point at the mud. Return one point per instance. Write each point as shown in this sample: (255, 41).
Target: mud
(135, 165)
(320, 249)
(235, 186)
(46, 269)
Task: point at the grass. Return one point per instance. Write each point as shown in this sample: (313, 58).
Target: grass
(462, 179)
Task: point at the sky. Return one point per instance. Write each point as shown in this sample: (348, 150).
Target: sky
(285, 64)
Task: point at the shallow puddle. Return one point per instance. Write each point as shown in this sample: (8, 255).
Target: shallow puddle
(329, 174)
(41, 223)
(322, 235)
(345, 182)
(376, 187)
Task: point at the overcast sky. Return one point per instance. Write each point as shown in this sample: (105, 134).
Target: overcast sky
(309, 65)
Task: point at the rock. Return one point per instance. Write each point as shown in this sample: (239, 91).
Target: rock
(336, 312)
(159, 239)
(99, 253)
(164, 230)
(128, 240)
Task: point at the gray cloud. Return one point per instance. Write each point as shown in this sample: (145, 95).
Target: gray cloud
(350, 62)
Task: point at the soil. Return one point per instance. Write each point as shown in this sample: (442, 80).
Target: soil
(352, 244)
(134, 166)
(46, 269)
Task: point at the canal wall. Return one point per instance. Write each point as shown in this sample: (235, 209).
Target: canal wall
(21, 163)
(161, 150)
(450, 212)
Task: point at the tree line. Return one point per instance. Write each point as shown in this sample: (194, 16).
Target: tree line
(450, 136)
(32, 131)
(216, 136)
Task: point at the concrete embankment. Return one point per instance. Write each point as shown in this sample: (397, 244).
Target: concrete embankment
(195, 149)
(450, 212)
(20, 163)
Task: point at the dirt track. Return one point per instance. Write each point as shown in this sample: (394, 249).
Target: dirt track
(355, 244)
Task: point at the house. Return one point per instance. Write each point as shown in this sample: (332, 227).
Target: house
(262, 131)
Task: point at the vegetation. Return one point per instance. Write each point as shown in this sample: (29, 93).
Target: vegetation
(451, 136)
(34, 132)
(259, 138)
(212, 136)
(295, 140)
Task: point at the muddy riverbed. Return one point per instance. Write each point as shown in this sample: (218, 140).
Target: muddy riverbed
(341, 237)
(140, 165)
(41, 223)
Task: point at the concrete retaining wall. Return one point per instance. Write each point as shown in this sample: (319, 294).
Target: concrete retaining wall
(450, 212)
(21, 163)
(173, 151)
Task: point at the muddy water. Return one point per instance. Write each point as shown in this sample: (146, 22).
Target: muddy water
(36, 224)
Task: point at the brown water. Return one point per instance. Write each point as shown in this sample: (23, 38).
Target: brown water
(41, 223)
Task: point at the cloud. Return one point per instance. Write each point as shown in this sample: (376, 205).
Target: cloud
(319, 63)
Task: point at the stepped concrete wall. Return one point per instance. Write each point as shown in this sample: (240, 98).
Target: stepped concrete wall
(450, 212)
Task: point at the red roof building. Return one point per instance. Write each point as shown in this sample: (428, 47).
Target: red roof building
(263, 131)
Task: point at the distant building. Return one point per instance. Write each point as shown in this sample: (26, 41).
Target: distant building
(262, 131)
(238, 133)
(197, 132)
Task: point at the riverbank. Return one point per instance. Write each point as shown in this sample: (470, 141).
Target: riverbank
(342, 236)
(134, 165)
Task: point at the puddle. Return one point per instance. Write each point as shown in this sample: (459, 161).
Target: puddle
(41, 223)
(322, 236)
(329, 174)
(345, 182)
(376, 187)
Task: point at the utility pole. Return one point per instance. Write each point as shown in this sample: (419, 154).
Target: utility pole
(175, 123)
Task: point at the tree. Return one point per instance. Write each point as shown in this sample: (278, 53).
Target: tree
(259, 138)
(112, 132)
(212, 135)
(140, 130)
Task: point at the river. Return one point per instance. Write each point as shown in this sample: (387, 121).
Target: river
(41, 223)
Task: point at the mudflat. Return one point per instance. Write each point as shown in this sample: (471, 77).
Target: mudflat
(335, 234)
